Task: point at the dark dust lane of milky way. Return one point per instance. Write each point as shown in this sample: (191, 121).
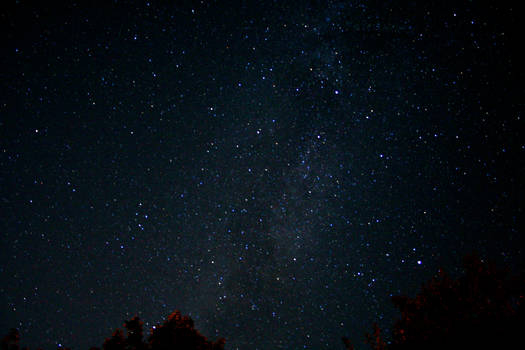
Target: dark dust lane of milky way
(277, 170)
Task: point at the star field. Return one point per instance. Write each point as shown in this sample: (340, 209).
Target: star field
(277, 170)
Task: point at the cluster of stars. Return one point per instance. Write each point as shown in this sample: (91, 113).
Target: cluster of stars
(283, 169)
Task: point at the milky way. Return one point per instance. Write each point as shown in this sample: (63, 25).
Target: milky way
(276, 170)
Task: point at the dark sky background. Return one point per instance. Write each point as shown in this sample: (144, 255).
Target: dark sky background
(275, 169)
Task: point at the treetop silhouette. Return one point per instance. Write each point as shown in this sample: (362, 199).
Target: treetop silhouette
(177, 332)
(480, 310)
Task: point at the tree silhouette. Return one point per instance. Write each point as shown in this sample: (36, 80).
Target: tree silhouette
(11, 341)
(348, 344)
(482, 309)
(375, 340)
(177, 333)
(135, 334)
(116, 342)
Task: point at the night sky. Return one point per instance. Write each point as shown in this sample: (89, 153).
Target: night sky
(275, 169)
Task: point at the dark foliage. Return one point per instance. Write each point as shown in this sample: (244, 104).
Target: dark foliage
(11, 341)
(177, 333)
(483, 309)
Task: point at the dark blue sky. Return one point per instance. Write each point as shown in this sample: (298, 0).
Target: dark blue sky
(276, 170)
